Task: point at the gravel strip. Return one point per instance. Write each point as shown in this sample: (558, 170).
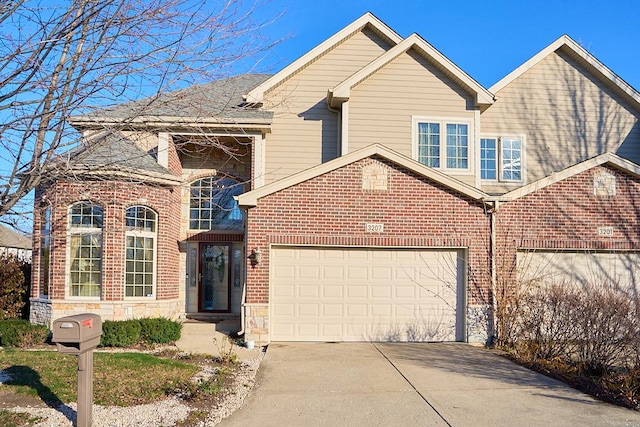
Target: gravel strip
(164, 413)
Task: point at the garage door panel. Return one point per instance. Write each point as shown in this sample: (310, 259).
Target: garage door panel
(308, 310)
(381, 291)
(381, 273)
(368, 294)
(357, 291)
(355, 273)
(308, 291)
(332, 310)
(357, 310)
(332, 272)
(332, 291)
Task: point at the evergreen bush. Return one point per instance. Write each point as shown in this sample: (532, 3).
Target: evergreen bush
(122, 333)
(20, 333)
(160, 330)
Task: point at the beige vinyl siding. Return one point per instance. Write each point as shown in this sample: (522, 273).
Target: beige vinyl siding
(381, 107)
(304, 131)
(566, 115)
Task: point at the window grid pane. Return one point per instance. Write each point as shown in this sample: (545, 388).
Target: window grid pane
(139, 266)
(429, 144)
(212, 204)
(86, 265)
(457, 146)
(86, 215)
(488, 156)
(511, 159)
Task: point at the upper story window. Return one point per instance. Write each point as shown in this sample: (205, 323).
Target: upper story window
(442, 143)
(85, 249)
(501, 158)
(140, 248)
(212, 206)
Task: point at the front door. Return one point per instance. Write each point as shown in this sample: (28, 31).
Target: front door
(214, 277)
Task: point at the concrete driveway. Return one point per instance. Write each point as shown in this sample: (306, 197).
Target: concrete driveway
(398, 384)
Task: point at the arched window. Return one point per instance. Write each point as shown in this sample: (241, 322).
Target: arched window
(212, 206)
(85, 249)
(140, 247)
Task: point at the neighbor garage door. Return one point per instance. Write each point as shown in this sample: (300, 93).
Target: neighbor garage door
(356, 294)
(581, 267)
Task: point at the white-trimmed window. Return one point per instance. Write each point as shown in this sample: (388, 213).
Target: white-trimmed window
(442, 143)
(85, 249)
(212, 205)
(45, 246)
(140, 248)
(501, 158)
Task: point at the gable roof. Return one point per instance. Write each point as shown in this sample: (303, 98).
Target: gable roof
(598, 69)
(217, 102)
(341, 92)
(11, 239)
(256, 95)
(115, 155)
(606, 158)
(251, 198)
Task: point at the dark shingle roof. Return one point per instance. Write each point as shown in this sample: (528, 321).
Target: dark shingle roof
(220, 100)
(113, 152)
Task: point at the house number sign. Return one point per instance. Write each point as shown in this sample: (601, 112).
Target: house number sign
(605, 231)
(373, 227)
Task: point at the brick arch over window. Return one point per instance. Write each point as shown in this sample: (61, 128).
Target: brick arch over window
(85, 223)
(212, 205)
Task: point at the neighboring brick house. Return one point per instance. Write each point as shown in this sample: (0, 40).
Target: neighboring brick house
(371, 190)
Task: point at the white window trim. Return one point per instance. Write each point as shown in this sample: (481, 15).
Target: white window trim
(154, 236)
(72, 231)
(141, 233)
(523, 162)
(443, 121)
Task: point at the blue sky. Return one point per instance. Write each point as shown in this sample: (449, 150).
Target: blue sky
(487, 39)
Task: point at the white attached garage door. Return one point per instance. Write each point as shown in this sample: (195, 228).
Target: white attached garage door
(581, 266)
(366, 294)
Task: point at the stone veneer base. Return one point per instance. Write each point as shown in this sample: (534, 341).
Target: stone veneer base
(44, 311)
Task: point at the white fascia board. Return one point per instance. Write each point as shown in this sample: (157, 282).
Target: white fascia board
(256, 95)
(610, 158)
(250, 199)
(569, 43)
(342, 91)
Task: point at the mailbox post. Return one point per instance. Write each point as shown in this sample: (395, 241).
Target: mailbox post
(80, 335)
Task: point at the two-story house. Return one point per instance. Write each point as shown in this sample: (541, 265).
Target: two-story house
(371, 190)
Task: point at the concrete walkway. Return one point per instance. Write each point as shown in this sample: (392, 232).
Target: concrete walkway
(397, 384)
(212, 339)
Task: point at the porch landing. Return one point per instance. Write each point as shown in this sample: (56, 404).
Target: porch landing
(210, 337)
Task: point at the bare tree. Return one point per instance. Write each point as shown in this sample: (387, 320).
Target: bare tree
(66, 58)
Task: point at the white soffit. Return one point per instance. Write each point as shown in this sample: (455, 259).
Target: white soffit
(368, 19)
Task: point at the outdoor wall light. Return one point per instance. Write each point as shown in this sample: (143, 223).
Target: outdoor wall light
(255, 256)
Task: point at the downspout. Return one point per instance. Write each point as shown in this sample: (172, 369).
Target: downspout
(242, 302)
(494, 275)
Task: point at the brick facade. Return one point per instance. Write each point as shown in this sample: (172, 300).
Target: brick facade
(567, 215)
(332, 210)
(114, 197)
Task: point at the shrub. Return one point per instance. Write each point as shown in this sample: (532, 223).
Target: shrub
(120, 333)
(159, 330)
(593, 326)
(20, 333)
(13, 287)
